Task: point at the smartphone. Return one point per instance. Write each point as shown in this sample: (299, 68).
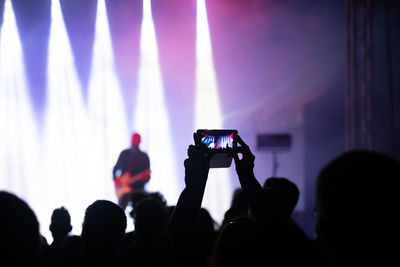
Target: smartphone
(221, 142)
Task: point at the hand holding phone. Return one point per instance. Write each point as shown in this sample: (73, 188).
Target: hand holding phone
(220, 145)
(245, 165)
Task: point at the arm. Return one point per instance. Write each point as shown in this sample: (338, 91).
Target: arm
(261, 205)
(189, 202)
(183, 222)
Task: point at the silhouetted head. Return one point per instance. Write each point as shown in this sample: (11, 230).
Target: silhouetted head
(150, 217)
(103, 226)
(60, 224)
(286, 188)
(140, 195)
(135, 140)
(19, 232)
(356, 208)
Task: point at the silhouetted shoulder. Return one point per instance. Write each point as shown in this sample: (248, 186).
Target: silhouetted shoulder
(19, 231)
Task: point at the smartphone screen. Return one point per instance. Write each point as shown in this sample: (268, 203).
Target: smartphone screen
(218, 139)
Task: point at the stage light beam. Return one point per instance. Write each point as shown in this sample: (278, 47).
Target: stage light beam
(18, 135)
(208, 113)
(108, 122)
(151, 114)
(65, 133)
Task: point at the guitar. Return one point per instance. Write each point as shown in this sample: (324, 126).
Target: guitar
(123, 184)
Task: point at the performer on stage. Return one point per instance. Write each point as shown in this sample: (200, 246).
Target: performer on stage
(131, 172)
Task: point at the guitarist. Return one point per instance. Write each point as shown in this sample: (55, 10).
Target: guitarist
(131, 172)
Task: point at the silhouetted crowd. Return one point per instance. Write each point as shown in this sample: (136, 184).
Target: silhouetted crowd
(356, 222)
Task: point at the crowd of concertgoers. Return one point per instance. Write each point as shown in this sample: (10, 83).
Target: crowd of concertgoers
(355, 217)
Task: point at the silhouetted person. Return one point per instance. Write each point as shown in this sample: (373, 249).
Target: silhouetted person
(65, 249)
(357, 199)
(264, 235)
(289, 190)
(20, 240)
(151, 244)
(103, 232)
(184, 219)
(136, 198)
(284, 194)
(60, 225)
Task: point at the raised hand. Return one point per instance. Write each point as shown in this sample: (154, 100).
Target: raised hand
(197, 165)
(245, 164)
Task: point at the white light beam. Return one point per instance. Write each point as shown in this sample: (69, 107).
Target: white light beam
(65, 134)
(208, 114)
(151, 115)
(18, 135)
(109, 130)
